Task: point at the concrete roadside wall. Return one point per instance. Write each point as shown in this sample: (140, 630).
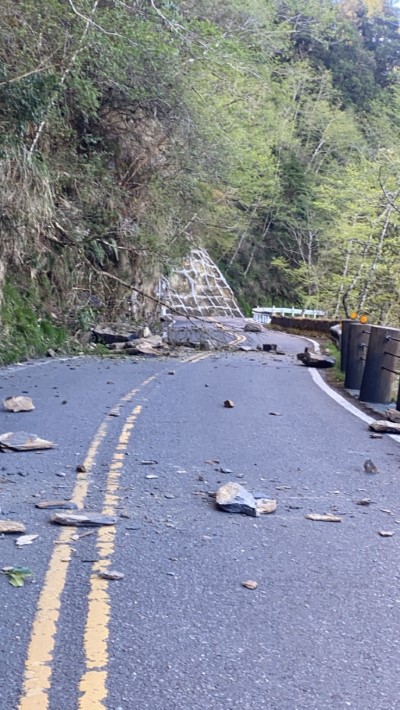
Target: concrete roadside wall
(321, 325)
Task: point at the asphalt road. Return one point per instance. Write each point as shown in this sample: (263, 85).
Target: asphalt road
(179, 631)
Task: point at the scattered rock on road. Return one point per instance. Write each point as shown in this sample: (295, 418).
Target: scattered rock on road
(80, 468)
(228, 404)
(21, 441)
(310, 359)
(56, 505)
(364, 501)
(386, 533)
(25, 540)
(393, 415)
(234, 498)
(11, 526)
(250, 584)
(253, 327)
(376, 436)
(18, 404)
(383, 426)
(369, 466)
(83, 520)
(324, 518)
(112, 574)
(266, 505)
(269, 347)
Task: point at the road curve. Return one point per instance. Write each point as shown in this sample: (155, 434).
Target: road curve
(179, 631)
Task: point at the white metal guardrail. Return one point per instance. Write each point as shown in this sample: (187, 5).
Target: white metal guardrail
(263, 315)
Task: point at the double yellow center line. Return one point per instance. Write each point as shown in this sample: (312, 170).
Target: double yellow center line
(38, 666)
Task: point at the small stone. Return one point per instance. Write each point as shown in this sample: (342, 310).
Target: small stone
(376, 436)
(275, 414)
(228, 404)
(18, 404)
(169, 496)
(266, 505)
(80, 519)
(393, 415)
(224, 470)
(364, 501)
(171, 372)
(325, 518)
(369, 466)
(149, 463)
(386, 533)
(81, 468)
(234, 498)
(250, 584)
(25, 540)
(151, 476)
(11, 526)
(61, 475)
(56, 505)
(112, 575)
(51, 353)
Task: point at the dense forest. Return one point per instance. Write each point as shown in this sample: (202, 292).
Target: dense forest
(130, 131)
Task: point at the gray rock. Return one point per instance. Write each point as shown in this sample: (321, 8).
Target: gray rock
(234, 498)
(56, 505)
(269, 347)
(253, 327)
(369, 466)
(310, 359)
(108, 335)
(83, 519)
(385, 426)
(393, 415)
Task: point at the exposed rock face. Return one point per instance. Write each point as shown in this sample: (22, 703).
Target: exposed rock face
(199, 288)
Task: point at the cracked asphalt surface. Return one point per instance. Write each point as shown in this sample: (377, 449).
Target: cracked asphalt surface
(322, 630)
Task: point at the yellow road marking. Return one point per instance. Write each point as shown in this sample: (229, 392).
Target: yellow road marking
(37, 677)
(93, 682)
(38, 671)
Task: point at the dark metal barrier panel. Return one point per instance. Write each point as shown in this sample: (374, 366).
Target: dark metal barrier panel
(357, 347)
(381, 366)
(344, 344)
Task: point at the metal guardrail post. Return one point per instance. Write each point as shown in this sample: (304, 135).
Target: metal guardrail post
(381, 366)
(344, 344)
(357, 347)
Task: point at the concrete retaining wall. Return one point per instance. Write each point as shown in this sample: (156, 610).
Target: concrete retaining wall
(321, 325)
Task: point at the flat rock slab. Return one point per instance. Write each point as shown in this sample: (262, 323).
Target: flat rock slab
(18, 404)
(324, 518)
(93, 520)
(56, 505)
(384, 426)
(11, 526)
(21, 441)
(234, 498)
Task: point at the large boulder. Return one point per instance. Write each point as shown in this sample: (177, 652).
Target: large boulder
(253, 326)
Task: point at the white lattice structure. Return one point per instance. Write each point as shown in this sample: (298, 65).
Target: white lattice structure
(199, 288)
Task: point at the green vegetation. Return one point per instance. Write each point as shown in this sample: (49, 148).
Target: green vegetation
(266, 132)
(24, 334)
